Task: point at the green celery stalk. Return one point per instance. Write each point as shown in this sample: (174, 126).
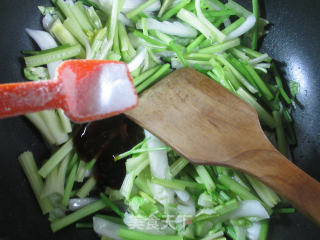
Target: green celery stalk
(178, 165)
(148, 39)
(42, 59)
(80, 15)
(240, 190)
(253, 53)
(168, 183)
(145, 75)
(73, 161)
(139, 9)
(195, 43)
(242, 69)
(69, 185)
(150, 81)
(55, 159)
(53, 123)
(54, 185)
(220, 13)
(264, 230)
(255, 8)
(206, 178)
(29, 166)
(279, 84)
(234, 26)
(84, 225)
(281, 138)
(66, 9)
(174, 10)
(36, 119)
(264, 116)
(82, 168)
(109, 203)
(77, 215)
(65, 122)
(238, 75)
(87, 187)
(76, 31)
(164, 6)
(267, 195)
(94, 18)
(262, 86)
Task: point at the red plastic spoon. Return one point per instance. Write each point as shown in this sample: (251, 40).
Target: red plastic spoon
(86, 90)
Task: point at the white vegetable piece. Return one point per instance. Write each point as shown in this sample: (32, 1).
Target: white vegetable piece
(138, 60)
(244, 28)
(129, 5)
(175, 28)
(106, 228)
(45, 41)
(248, 208)
(253, 231)
(159, 168)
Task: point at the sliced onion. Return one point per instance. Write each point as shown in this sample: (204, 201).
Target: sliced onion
(244, 28)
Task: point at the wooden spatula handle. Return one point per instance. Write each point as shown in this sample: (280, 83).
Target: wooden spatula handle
(284, 177)
(24, 97)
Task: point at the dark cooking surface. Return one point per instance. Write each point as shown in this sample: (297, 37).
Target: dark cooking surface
(293, 41)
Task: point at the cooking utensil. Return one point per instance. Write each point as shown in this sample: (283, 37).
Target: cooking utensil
(292, 40)
(86, 90)
(207, 124)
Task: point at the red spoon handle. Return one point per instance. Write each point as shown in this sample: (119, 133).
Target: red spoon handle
(24, 97)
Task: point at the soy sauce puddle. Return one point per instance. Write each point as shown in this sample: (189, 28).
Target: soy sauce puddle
(103, 140)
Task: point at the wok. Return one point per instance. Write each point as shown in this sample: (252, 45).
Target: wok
(293, 41)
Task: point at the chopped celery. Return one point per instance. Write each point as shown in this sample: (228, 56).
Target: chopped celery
(41, 59)
(178, 165)
(29, 166)
(255, 8)
(220, 47)
(56, 158)
(69, 185)
(206, 178)
(53, 123)
(86, 188)
(77, 215)
(109, 203)
(155, 77)
(139, 9)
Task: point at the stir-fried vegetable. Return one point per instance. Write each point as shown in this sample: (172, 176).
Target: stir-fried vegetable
(162, 196)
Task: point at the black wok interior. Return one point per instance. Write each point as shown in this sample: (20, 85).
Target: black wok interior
(293, 41)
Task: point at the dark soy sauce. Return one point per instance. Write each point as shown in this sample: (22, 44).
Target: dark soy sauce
(103, 140)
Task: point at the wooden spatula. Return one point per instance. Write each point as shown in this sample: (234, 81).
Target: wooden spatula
(208, 125)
